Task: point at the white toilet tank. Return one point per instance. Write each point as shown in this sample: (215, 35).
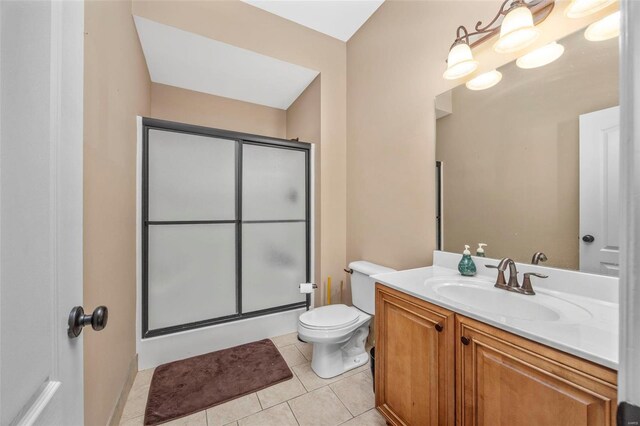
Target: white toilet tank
(363, 292)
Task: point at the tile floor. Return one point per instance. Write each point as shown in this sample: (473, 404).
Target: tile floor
(304, 400)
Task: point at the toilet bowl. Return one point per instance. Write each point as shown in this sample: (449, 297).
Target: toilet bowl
(339, 332)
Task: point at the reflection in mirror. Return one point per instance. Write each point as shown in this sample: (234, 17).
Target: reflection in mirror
(531, 164)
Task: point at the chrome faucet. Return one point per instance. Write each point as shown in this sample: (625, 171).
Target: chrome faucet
(538, 257)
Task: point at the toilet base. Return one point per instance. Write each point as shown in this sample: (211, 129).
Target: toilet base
(332, 359)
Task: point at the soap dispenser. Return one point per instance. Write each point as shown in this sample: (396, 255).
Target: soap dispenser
(480, 250)
(466, 266)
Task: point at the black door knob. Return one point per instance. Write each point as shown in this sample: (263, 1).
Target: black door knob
(588, 239)
(77, 320)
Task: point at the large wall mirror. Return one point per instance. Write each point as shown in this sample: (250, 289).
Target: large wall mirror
(532, 163)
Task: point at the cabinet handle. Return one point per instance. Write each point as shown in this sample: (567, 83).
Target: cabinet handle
(439, 327)
(465, 340)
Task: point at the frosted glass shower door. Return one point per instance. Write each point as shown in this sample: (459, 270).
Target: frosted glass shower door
(226, 226)
(191, 229)
(274, 226)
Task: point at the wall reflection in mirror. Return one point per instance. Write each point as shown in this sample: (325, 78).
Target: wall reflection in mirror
(531, 164)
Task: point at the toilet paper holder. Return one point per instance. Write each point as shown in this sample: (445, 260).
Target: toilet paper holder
(313, 285)
(308, 295)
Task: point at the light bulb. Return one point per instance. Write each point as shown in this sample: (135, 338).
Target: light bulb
(516, 31)
(485, 81)
(582, 8)
(460, 62)
(541, 56)
(604, 29)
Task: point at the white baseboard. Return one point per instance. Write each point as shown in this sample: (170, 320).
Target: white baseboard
(159, 350)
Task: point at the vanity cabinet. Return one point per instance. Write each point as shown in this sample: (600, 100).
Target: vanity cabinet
(470, 373)
(414, 360)
(504, 379)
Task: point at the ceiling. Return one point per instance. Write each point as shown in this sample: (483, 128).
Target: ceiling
(183, 59)
(337, 18)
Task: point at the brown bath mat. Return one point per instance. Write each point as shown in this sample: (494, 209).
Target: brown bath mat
(185, 387)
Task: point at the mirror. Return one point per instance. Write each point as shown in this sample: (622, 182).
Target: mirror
(531, 164)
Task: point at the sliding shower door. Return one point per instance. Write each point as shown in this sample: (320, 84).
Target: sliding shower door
(225, 226)
(274, 226)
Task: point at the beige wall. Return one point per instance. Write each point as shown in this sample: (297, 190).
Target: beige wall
(248, 27)
(395, 64)
(303, 122)
(186, 106)
(511, 155)
(116, 89)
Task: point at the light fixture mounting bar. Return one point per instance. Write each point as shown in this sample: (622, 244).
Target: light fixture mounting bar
(540, 9)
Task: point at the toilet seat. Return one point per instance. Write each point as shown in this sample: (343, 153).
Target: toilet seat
(331, 317)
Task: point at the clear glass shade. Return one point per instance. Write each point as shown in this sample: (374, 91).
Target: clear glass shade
(604, 29)
(541, 56)
(516, 31)
(582, 8)
(460, 62)
(484, 81)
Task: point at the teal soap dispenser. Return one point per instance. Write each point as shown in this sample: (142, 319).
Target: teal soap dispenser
(480, 251)
(466, 266)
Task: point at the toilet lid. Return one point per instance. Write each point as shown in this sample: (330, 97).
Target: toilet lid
(330, 317)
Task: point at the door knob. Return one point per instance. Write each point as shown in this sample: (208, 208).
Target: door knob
(77, 320)
(588, 238)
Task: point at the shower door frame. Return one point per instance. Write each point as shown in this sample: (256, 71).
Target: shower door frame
(240, 140)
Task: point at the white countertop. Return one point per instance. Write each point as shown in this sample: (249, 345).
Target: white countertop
(594, 338)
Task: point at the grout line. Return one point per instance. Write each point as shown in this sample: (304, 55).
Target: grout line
(292, 412)
(260, 402)
(242, 418)
(341, 402)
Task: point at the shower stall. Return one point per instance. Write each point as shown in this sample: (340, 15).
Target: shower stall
(225, 226)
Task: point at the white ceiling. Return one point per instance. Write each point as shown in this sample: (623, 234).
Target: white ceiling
(337, 18)
(190, 61)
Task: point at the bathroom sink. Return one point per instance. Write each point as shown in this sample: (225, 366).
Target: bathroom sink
(481, 295)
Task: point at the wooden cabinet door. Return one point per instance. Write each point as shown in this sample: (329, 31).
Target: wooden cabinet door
(502, 379)
(414, 360)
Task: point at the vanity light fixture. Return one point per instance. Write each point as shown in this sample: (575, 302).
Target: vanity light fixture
(485, 80)
(517, 30)
(582, 8)
(460, 62)
(541, 56)
(604, 29)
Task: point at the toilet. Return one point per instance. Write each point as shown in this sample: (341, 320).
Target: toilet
(339, 332)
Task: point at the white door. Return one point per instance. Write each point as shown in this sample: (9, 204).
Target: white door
(41, 69)
(599, 191)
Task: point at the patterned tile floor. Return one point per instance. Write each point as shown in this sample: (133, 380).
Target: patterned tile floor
(304, 400)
